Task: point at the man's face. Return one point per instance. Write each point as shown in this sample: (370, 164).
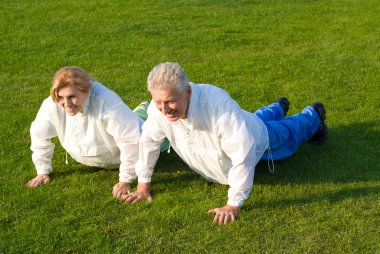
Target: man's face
(72, 99)
(171, 103)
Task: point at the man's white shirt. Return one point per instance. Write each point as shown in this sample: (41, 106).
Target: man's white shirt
(218, 140)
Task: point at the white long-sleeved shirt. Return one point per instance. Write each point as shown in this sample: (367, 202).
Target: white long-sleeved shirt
(218, 139)
(105, 134)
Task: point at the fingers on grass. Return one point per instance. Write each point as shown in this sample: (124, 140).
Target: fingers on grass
(211, 211)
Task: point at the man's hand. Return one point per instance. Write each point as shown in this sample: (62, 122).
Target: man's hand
(142, 192)
(224, 214)
(38, 180)
(121, 188)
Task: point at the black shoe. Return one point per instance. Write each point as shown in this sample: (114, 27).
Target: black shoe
(284, 102)
(321, 135)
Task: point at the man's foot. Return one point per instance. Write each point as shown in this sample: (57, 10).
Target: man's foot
(321, 135)
(284, 102)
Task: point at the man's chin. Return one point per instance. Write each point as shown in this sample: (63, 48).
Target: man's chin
(172, 119)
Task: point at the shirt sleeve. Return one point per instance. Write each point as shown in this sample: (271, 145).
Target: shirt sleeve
(239, 145)
(124, 126)
(42, 131)
(151, 139)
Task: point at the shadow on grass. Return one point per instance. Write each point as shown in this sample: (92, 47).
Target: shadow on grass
(76, 168)
(167, 162)
(332, 197)
(170, 170)
(351, 154)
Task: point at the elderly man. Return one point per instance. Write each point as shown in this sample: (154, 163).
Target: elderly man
(215, 137)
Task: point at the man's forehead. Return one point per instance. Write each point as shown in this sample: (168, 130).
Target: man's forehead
(164, 94)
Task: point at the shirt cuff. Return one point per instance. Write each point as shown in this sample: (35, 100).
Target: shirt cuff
(144, 179)
(235, 202)
(125, 179)
(126, 175)
(43, 169)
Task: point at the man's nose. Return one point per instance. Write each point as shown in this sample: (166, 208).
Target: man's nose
(164, 108)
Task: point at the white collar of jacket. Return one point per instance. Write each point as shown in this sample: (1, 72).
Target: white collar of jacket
(194, 98)
(87, 103)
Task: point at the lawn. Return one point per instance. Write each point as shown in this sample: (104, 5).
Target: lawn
(324, 199)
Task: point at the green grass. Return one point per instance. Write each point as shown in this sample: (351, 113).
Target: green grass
(324, 199)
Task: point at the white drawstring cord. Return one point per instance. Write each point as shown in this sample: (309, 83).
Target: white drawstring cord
(169, 148)
(66, 161)
(270, 159)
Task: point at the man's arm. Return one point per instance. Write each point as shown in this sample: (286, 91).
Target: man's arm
(142, 192)
(239, 145)
(225, 214)
(149, 151)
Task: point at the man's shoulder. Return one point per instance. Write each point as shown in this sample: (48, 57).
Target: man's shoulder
(211, 96)
(210, 92)
(207, 87)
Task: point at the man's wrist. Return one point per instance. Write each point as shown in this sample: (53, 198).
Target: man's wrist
(143, 186)
(231, 207)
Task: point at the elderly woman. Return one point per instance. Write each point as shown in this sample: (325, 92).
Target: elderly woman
(92, 124)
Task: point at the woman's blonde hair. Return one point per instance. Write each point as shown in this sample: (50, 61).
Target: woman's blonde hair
(70, 76)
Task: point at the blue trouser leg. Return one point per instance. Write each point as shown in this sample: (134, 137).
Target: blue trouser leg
(287, 134)
(272, 112)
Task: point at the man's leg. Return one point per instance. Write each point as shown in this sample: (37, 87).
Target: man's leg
(142, 112)
(275, 111)
(287, 134)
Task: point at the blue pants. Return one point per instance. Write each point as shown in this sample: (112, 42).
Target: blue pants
(286, 134)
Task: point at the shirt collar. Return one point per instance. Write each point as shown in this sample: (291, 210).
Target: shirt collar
(192, 105)
(86, 104)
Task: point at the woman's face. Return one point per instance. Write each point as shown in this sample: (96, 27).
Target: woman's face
(72, 99)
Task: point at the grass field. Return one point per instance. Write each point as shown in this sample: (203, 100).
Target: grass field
(324, 199)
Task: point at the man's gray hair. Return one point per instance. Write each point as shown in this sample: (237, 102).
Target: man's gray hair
(167, 76)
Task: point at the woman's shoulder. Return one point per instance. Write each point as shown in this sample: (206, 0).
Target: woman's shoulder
(104, 99)
(103, 93)
(49, 105)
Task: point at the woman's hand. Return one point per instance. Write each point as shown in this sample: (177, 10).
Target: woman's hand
(38, 180)
(120, 189)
